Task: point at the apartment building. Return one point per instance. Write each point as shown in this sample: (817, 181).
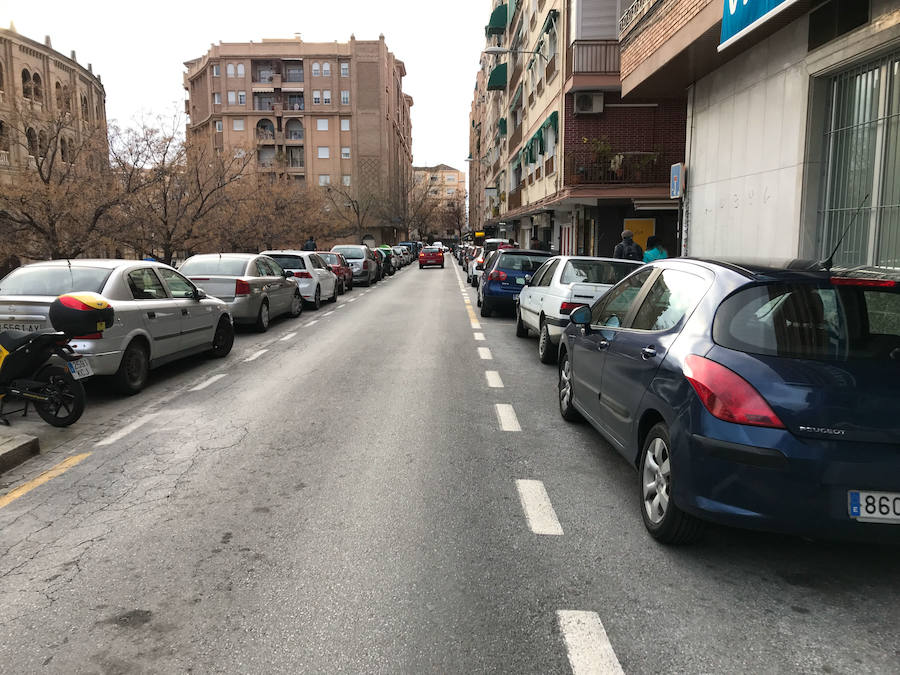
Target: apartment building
(446, 186)
(560, 156)
(326, 114)
(40, 88)
(793, 110)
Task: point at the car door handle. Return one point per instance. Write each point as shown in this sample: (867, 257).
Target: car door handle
(185, 312)
(603, 344)
(151, 315)
(648, 353)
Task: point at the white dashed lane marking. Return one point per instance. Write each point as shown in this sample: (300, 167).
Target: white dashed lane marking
(212, 380)
(506, 416)
(328, 313)
(289, 336)
(587, 644)
(537, 507)
(352, 300)
(127, 429)
(255, 355)
(485, 353)
(313, 322)
(493, 379)
(478, 336)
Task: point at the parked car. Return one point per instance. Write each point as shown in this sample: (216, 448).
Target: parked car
(562, 284)
(413, 248)
(385, 268)
(761, 396)
(505, 277)
(255, 287)
(476, 260)
(402, 253)
(160, 315)
(362, 261)
(314, 277)
(393, 258)
(341, 268)
(431, 255)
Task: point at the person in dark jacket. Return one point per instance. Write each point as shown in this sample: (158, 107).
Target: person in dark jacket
(310, 245)
(627, 248)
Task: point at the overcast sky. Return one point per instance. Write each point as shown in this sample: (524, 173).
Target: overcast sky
(139, 49)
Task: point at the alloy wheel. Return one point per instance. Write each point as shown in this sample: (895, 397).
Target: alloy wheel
(657, 480)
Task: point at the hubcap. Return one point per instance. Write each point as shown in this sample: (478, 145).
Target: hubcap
(295, 304)
(657, 480)
(565, 384)
(264, 313)
(543, 340)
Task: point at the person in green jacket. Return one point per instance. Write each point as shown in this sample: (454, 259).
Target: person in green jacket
(655, 250)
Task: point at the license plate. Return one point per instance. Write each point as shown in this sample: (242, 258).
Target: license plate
(27, 326)
(520, 281)
(879, 507)
(80, 369)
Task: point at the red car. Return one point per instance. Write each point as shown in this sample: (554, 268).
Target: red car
(431, 255)
(341, 268)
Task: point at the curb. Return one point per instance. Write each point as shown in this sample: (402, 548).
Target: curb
(15, 449)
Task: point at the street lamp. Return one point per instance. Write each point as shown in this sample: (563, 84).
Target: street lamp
(501, 51)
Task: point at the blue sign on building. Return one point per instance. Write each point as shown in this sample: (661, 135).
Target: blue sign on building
(739, 17)
(676, 181)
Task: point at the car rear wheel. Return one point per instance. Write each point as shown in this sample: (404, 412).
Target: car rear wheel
(134, 369)
(317, 298)
(262, 319)
(223, 339)
(341, 288)
(334, 294)
(296, 305)
(546, 352)
(663, 519)
(521, 328)
(566, 409)
(486, 309)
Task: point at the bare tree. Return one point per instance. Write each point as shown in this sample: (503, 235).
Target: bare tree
(452, 214)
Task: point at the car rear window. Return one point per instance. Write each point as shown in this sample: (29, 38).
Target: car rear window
(521, 262)
(54, 280)
(227, 267)
(289, 262)
(330, 258)
(802, 320)
(595, 272)
(350, 252)
(430, 249)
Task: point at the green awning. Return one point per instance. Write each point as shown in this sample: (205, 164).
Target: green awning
(497, 78)
(517, 162)
(497, 22)
(537, 50)
(552, 15)
(512, 11)
(516, 98)
(502, 125)
(537, 142)
(553, 121)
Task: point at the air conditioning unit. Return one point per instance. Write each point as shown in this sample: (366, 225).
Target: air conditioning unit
(588, 103)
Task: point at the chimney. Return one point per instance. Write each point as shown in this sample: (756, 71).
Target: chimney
(73, 56)
(91, 69)
(47, 42)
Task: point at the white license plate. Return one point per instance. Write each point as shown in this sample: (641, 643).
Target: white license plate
(879, 507)
(80, 369)
(27, 326)
(520, 281)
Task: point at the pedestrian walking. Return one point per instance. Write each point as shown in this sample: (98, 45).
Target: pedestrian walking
(628, 248)
(655, 250)
(310, 244)
(535, 244)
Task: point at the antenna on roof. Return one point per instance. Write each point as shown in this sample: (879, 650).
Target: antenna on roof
(829, 261)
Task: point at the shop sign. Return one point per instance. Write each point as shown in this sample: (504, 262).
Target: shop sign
(739, 17)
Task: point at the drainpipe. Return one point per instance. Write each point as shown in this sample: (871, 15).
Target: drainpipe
(685, 206)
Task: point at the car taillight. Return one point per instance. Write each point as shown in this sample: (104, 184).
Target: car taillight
(479, 261)
(727, 395)
(89, 336)
(497, 275)
(241, 287)
(567, 307)
(303, 275)
(871, 283)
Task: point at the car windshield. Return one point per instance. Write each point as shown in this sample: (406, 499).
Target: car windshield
(289, 262)
(595, 272)
(521, 262)
(803, 320)
(330, 258)
(350, 252)
(227, 267)
(55, 280)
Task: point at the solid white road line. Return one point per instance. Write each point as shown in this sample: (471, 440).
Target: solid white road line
(314, 321)
(289, 336)
(255, 355)
(485, 353)
(506, 415)
(478, 336)
(127, 429)
(215, 378)
(493, 379)
(537, 507)
(587, 643)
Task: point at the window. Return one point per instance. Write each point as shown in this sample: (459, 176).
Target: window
(345, 69)
(237, 124)
(345, 97)
(217, 98)
(613, 308)
(179, 287)
(263, 268)
(450, 192)
(218, 125)
(326, 69)
(317, 97)
(451, 178)
(295, 102)
(316, 72)
(216, 70)
(345, 124)
(326, 96)
(345, 180)
(548, 274)
(242, 98)
(324, 179)
(345, 153)
(240, 70)
(229, 70)
(323, 152)
(293, 130)
(231, 98)
(145, 285)
(293, 72)
(673, 295)
(595, 272)
(322, 124)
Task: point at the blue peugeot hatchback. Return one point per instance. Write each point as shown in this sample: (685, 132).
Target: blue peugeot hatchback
(764, 396)
(510, 269)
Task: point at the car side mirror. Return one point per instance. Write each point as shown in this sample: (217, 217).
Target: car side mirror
(288, 275)
(528, 280)
(199, 294)
(581, 316)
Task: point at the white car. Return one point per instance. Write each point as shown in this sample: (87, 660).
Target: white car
(313, 275)
(559, 286)
(472, 274)
(403, 253)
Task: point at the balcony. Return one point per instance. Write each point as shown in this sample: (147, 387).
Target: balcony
(549, 166)
(4, 157)
(550, 71)
(616, 168)
(515, 138)
(265, 137)
(593, 57)
(515, 199)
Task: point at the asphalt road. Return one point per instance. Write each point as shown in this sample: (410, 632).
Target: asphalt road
(342, 494)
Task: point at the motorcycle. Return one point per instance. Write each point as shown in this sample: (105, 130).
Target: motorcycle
(28, 373)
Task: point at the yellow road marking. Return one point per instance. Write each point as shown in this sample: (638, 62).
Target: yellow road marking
(48, 475)
(472, 320)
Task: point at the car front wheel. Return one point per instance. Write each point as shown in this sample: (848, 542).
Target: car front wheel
(566, 409)
(223, 339)
(521, 329)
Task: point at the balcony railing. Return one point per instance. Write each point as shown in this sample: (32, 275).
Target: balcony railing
(548, 166)
(4, 157)
(293, 135)
(265, 135)
(515, 138)
(515, 199)
(550, 71)
(295, 163)
(616, 168)
(593, 57)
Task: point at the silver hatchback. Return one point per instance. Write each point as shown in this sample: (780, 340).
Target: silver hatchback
(160, 315)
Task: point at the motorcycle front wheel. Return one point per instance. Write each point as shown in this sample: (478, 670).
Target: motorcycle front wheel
(65, 395)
